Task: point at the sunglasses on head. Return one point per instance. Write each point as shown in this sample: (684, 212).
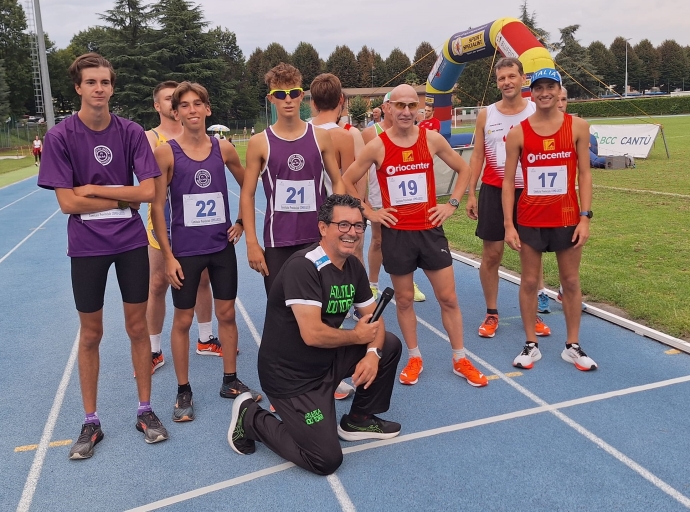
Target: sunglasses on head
(400, 105)
(281, 94)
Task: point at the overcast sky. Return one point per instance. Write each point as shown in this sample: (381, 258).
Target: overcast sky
(385, 24)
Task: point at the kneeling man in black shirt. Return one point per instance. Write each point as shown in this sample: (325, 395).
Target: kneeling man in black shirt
(304, 355)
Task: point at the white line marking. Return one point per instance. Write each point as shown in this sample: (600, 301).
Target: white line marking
(248, 320)
(234, 194)
(39, 458)
(421, 435)
(638, 191)
(33, 232)
(13, 202)
(20, 181)
(341, 494)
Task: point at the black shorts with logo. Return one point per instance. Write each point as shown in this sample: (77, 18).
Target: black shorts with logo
(405, 251)
(547, 239)
(490, 213)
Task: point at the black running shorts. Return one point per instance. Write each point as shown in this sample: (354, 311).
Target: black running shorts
(405, 251)
(547, 239)
(90, 273)
(490, 213)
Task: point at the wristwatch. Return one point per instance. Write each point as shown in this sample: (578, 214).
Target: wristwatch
(123, 205)
(376, 351)
(589, 214)
(239, 221)
(454, 202)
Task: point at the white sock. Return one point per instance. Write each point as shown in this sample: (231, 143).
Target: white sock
(155, 342)
(458, 354)
(205, 331)
(414, 352)
(374, 285)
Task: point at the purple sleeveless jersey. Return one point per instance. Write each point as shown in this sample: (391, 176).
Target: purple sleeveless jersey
(74, 155)
(198, 197)
(294, 186)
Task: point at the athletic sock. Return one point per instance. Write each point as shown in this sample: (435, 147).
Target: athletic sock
(229, 377)
(414, 352)
(205, 331)
(143, 407)
(92, 417)
(155, 342)
(181, 388)
(458, 354)
(569, 345)
(535, 343)
(492, 311)
(374, 285)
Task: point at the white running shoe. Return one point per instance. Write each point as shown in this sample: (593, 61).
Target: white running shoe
(418, 295)
(530, 354)
(577, 356)
(343, 391)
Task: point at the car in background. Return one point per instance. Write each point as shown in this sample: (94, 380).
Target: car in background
(59, 119)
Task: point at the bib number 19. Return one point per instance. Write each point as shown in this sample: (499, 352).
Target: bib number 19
(408, 188)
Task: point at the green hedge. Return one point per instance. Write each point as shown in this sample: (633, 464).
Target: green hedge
(666, 105)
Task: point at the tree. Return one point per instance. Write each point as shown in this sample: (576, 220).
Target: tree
(5, 109)
(357, 108)
(618, 49)
(371, 68)
(343, 64)
(603, 61)
(89, 40)
(255, 74)
(14, 50)
(530, 21)
(476, 85)
(673, 66)
(397, 65)
(411, 79)
(273, 55)
(579, 75)
(649, 58)
(306, 59)
(61, 86)
(424, 59)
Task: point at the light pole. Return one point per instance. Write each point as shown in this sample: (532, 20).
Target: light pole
(625, 93)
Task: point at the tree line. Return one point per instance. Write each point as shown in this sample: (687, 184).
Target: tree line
(171, 40)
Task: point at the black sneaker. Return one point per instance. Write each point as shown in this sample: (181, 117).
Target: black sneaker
(372, 428)
(236, 388)
(151, 426)
(236, 435)
(184, 407)
(91, 434)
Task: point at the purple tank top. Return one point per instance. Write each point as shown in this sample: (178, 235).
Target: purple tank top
(294, 186)
(198, 197)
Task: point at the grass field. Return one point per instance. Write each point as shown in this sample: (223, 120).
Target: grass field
(638, 256)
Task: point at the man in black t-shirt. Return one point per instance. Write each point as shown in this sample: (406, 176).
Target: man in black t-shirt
(304, 355)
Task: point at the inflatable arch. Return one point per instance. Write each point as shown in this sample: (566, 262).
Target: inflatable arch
(509, 36)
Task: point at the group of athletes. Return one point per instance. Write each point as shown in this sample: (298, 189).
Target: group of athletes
(322, 183)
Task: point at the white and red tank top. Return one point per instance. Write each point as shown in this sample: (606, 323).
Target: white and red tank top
(495, 132)
(406, 180)
(549, 168)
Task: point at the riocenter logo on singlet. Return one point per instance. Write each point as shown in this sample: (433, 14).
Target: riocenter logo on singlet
(202, 178)
(103, 155)
(295, 162)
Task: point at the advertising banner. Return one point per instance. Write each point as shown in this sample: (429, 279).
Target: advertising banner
(624, 139)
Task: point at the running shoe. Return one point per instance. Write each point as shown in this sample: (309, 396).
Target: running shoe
(418, 295)
(410, 374)
(489, 326)
(209, 348)
(151, 426)
(91, 434)
(543, 303)
(157, 360)
(374, 291)
(236, 435)
(577, 356)
(184, 407)
(371, 428)
(343, 391)
(464, 368)
(236, 388)
(540, 328)
(559, 298)
(530, 354)
(355, 315)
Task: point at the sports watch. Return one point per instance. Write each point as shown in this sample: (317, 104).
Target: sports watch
(454, 202)
(589, 214)
(376, 351)
(123, 205)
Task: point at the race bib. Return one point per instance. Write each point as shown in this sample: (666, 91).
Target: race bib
(115, 213)
(407, 189)
(203, 209)
(501, 155)
(295, 196)
(547, 181)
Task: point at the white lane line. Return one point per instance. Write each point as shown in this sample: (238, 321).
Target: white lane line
(234, 194)
(421, 435)
(14, 202)
(638, 191)
(621, 457)
(212, 488)
(39, 458)
(248, 321)
(33, 232)
(341, 494)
